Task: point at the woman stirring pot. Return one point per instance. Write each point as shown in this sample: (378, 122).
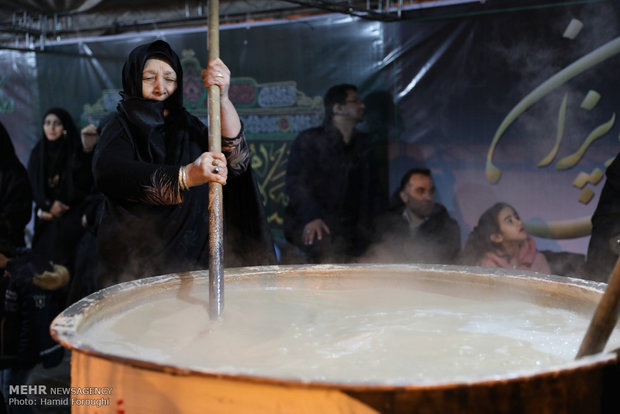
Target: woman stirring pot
(152, 163)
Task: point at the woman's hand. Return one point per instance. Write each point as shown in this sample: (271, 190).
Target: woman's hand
(210, 167)
(218, 74)
(3, 261)
(58, 209)
(89, 136)
(45, 215)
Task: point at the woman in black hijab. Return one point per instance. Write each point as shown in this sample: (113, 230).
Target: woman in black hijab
(61, 178)
(152, 162)
(15, 200)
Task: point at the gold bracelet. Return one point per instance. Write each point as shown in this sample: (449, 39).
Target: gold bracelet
(185, 179)
(182, 177)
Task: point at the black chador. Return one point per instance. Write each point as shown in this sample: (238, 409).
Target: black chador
(15, 198)
(150, 226)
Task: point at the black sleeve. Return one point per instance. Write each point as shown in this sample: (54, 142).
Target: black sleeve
(82, 177)
(15, 206)
(454, 241)
(119, 175)
(37, 181)
(18, 342)
(299, 177)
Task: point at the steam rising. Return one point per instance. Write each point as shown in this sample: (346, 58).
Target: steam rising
(366, 329)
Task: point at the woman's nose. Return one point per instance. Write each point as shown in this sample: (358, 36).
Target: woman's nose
(157, 85)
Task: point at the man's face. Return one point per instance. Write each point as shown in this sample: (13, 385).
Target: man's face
(352, 108)
(419, 195)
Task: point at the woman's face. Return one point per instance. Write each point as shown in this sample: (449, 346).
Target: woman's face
(52, 127)
(159, 80)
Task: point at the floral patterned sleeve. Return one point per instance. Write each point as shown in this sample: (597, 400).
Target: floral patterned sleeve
(164, 188)
(237, 153)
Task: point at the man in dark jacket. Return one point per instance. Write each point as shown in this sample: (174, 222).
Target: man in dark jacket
(417, 230)
(329, 182)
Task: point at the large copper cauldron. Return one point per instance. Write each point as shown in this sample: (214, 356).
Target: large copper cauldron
(146, 384)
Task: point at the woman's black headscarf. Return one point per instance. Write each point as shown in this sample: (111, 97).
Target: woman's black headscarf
(138, 237)
(55, 158)
(145, 116)
(132, 71)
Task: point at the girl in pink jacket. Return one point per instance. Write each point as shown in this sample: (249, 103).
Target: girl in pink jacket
(499, 240)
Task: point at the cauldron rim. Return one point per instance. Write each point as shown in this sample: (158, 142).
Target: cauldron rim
(64, 328)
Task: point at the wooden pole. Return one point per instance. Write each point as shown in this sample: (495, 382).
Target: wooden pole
(604, 319)
(216, 225)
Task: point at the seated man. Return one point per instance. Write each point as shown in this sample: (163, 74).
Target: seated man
(417, 230)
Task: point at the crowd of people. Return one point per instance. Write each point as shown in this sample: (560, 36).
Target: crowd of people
(127, 199)
(334, 215)
(120, 201)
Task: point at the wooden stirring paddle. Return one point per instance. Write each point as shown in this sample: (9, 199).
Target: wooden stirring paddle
(606, 315)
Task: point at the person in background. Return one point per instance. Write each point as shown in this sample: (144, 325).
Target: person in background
(87, 264)
(153, 166)
(33, 292)
(15, 200)
(31, 288)
(329, 182)
(61, 178)
(604, 246)
(500, 240)
(417, 229)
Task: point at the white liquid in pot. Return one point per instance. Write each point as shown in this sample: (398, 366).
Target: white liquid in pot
(382, 335)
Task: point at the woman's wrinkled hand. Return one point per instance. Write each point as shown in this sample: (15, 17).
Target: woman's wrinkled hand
(210, 167)
(217, 73)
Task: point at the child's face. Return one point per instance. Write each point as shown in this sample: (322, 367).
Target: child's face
(510, 226)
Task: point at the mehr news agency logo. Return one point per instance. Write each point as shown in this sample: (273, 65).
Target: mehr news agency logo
(42, 395)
